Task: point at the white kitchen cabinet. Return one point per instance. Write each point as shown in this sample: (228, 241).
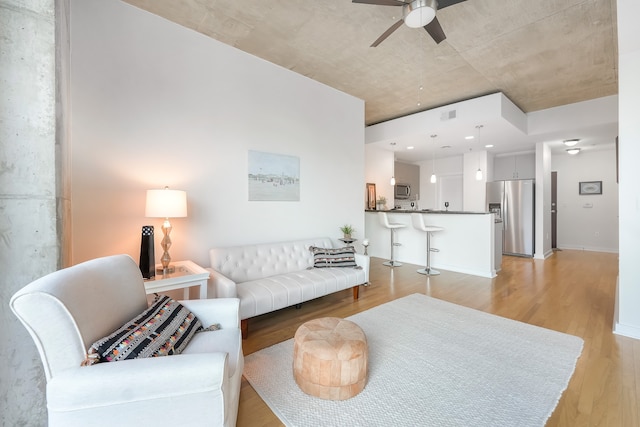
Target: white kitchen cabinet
(515, 166)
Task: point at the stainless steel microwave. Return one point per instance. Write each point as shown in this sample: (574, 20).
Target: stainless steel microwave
(403, 191)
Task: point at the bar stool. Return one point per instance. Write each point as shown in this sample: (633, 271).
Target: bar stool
(418, 223)
(393, 226)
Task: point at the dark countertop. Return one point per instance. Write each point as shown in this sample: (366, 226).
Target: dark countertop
(428, 211)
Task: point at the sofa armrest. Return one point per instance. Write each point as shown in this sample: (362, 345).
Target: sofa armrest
(363, 261)
(225, 311)
(113, 383)
(223, 287)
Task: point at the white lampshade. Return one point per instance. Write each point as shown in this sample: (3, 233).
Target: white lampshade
(166, 203)
(479, 174)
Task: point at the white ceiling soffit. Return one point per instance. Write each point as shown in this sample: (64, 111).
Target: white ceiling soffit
(504, 126)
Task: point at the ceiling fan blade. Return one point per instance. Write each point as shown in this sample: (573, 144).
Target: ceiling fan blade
(381, 2)
(435, 30)
(446, 3)
(387, 33)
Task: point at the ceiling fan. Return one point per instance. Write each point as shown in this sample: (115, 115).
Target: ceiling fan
(415, 14)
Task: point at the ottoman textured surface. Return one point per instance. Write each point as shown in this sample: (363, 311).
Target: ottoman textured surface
(330, 358)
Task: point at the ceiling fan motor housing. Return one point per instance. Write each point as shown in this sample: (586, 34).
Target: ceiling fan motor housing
(419, 13)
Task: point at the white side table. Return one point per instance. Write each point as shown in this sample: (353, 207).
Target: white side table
(186, 274)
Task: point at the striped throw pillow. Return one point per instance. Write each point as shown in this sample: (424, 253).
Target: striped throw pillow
(165, 328)
(330, 257)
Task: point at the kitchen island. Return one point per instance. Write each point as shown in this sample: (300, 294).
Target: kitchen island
(466, 245)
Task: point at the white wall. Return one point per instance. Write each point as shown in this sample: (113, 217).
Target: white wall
(580, 227)
(475, 191)
(431, 194)
(628, 315)
(156, 104)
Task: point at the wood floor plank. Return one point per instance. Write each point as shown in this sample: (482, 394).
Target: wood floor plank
(571, 292)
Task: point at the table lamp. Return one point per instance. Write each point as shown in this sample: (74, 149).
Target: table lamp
(166, 204)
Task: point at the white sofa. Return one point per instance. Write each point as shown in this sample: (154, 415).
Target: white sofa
(268, 277)
(66, 311)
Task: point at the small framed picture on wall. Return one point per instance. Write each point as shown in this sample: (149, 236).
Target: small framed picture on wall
(590, 187)
(371, 196)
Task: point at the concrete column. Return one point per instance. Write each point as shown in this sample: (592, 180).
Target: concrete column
(33, 186)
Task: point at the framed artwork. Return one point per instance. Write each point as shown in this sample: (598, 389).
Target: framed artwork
(371, 196)
(590, 187)
(273, 177)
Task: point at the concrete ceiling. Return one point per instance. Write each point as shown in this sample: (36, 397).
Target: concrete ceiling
(540, 54)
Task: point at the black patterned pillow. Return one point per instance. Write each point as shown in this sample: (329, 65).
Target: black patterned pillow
(165, 328)
(330, 257)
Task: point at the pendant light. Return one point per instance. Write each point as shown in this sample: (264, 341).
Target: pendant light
(479, 171)
(433, 161)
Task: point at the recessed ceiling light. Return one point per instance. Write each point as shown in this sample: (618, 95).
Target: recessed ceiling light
(446, 146)
(468, 137)
(570, 142)
(488, 146)
(410, 147)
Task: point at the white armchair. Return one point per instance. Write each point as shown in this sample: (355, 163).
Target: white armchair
(68, 310)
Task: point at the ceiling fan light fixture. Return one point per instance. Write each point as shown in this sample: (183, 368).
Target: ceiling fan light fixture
(419, 13)
(570, 142)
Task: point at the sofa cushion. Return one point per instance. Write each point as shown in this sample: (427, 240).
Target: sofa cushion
(276, 292)
(165, 328)
(333, 257)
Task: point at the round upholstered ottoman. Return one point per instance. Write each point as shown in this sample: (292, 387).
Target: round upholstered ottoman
(330, 358)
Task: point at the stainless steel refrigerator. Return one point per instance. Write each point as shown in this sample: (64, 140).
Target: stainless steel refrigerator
(514, 203)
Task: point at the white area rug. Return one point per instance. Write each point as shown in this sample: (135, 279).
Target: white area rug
(432, 363)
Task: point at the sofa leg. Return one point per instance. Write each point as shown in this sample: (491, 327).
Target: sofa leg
(298, 306)
(356, 292)
(244, 328)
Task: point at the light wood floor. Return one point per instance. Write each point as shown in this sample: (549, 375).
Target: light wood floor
(571, 292)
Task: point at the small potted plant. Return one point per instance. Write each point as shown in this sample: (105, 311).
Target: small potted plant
(347, 230)
(381, 202)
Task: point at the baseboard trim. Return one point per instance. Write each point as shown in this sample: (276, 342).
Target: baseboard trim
(545, 255)
(620, 328)
(626, 330)
(589, 249)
